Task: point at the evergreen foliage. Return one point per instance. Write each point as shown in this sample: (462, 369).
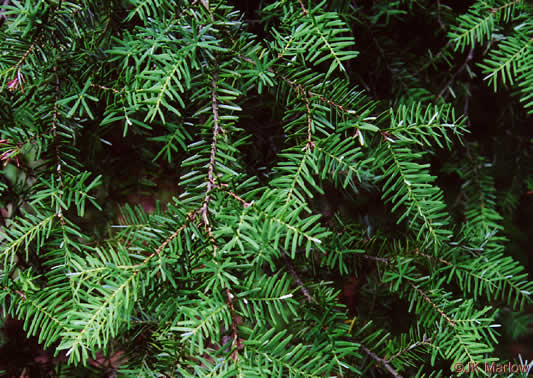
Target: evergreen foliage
(241, 272)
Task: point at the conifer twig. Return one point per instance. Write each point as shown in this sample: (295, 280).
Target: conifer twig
(21, 294)
(56, 144)
(211, 182)
(429, 257)
(310, 143)
(28, 51)
(104, 88)
(433, 304)
(17, 148)
(18, 292)
(375, 258)
(190, 217)
(380, 361)
(299, 87)
(3, 17)
(234, 333)
(506, 5)
(304, 10)
(224, 187)
(426, 340)
(433, 59)
(297, 279)
(469, 57)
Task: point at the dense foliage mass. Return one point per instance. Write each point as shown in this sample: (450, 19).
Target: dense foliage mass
(285, 188)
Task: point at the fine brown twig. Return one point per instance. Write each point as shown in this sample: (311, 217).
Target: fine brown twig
(469, 57)
(380, 361)
(56, 145)
(292, 270)
(211, 181)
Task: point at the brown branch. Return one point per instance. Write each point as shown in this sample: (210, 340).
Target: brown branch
(429, 257)
(375, 258)
(424, 295)
(302, 92)
(306, 12)
(439, 19)
(299, 87)
(56, 144)
(296, 276)
(21, 294)
(234, 322)
(106, 88)
(28, 51)
(496, 10)
(469, 57)
(224, 187)
(437, 308)
(216, 130)
(310, 143)
(410, 347)
(332, 103)
(18, 292)
(211, 181)
(8, 155)
(34, 43)
(190, 217)
(380, 361)
(449, 43)
(3, 17)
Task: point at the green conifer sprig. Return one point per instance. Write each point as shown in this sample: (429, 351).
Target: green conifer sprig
(344, 257)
